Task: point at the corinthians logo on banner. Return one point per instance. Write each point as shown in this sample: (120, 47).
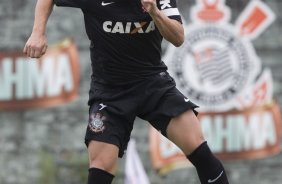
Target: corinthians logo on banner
(29, 83)
(218, 68)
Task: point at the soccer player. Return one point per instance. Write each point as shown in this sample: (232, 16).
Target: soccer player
(130, 80)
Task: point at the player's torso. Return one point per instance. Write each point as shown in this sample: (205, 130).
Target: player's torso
(125, 41)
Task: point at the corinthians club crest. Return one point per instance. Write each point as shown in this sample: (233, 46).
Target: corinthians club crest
(96, 122)
(217, 66)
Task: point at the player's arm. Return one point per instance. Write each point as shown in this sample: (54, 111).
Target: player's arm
(36, 45)
(172, 30)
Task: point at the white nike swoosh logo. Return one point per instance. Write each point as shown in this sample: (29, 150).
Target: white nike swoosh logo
(186, 99)
(102, 106)
(105, 4)
(214, 180)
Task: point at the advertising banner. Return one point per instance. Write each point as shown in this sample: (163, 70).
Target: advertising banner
(27, 83)
(217, 68)
(248, 134)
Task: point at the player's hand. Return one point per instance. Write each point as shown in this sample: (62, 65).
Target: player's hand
(36, 45)
(150, 6)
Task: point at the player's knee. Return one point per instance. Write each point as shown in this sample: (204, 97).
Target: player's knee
(103, 163)
(192, 144)
(197, 141)
(185, 131)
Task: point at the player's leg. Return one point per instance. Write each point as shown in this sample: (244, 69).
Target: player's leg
(170, 112)
(108, 132)
(185, 131)
(102, 162)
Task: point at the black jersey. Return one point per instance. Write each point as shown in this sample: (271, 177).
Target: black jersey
(125, 43)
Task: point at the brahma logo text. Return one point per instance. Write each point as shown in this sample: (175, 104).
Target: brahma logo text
(29, 83)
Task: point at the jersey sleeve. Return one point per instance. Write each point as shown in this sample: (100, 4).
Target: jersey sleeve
(169, 8)
(69, 3)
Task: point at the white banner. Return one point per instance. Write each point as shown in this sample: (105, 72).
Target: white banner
(134, 170)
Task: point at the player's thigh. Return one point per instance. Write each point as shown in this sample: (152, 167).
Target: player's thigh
(103, 156)
(185, 131)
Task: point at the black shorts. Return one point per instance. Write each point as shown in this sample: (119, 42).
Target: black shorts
(113, 109)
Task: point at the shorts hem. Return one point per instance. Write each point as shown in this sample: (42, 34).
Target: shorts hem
(87, 141)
